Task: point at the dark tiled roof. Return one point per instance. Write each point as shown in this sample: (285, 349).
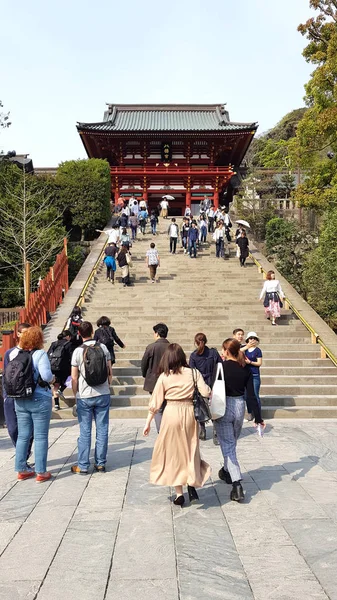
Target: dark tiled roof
(166, 118)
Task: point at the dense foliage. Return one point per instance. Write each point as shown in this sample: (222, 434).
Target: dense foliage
(84, 192)
(320, 272)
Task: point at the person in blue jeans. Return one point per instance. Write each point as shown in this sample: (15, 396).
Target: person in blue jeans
(192, 239)
(34, 414)
(253, 356)
(93, 402)
(9, 403)
(153, 222)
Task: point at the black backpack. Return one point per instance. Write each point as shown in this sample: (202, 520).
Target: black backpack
(95, 367)
(105, 337)
(18, 376)
(58, 356)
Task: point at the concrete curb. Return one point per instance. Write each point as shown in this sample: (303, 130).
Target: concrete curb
(62, 313)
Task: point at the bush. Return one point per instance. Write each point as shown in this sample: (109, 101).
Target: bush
(76, 257)
(320, 272)
(289, 247)
(278, 234)
(84, 193)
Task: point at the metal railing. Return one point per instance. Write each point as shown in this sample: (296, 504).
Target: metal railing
(315, 337)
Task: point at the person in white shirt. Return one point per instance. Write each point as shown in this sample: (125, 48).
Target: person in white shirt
(135, 208)
(92, 399)
(272, 296)
(219, 236)
(164, 208)
(202, 229)
(142, 204)
(173, 232)
(112, 233)
(210, 215)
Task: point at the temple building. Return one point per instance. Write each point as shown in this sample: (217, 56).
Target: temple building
(187, 151)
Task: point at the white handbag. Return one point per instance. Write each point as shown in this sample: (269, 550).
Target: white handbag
(218, 396)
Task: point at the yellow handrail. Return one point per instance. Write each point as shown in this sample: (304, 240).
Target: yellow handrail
(314, 335)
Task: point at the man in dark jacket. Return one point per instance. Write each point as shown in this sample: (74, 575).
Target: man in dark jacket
(151, 359)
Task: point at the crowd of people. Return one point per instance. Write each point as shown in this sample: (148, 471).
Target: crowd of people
(82, 359)
(133, 218)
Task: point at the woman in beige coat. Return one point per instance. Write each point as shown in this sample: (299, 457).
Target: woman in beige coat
(176, 457)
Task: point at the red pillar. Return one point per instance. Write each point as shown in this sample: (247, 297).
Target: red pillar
(145, 195)
(7, 343)
(116, 197)
(188, 199)
(216, 199)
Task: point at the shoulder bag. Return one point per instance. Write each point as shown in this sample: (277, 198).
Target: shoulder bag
(218, 397)
(202, 412)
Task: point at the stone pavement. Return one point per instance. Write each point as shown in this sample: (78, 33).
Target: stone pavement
(114, 537)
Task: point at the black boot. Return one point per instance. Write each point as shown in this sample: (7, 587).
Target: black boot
(237, 492)
(202, 432)
(192, 493)
(225, 476)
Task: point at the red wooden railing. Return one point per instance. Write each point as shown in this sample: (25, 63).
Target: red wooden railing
(45, 300)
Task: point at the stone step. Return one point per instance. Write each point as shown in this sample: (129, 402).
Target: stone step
(273, 350)
(134, 371)
(303, 412)
(267, 379)
(307, 363)
(300, 400)
(268, 412)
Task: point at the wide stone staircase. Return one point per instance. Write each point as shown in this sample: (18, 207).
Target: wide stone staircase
(213, 296)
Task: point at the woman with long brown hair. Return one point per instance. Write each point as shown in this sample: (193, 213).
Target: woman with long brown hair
(205, 360)
(239, 390)
(176, 457)
(34, 413)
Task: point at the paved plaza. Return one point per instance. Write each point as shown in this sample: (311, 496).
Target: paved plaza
(114, 537)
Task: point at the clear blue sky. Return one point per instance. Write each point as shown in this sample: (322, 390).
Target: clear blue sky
(62, 61)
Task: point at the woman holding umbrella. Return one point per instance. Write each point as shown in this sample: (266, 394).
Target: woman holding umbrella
(165, 205)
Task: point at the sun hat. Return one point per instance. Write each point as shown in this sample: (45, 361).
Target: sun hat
(252, 334)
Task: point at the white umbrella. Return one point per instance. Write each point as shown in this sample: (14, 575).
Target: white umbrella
(167, 197)
(242, 222)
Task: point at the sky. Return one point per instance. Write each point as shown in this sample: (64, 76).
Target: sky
(62, 62)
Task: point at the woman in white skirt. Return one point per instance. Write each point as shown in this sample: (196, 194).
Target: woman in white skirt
(272, 296)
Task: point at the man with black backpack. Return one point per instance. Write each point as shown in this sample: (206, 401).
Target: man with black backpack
(59, 354)
(91, 377)
(9, 403)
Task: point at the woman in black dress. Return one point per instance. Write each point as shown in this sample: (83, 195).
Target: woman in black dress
(243, 245)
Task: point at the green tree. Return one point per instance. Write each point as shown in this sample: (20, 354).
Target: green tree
(288, 246)
(30, 227)
(317, 131)
(320, 272)
(255, 210)
(84, 193)
(278, 234)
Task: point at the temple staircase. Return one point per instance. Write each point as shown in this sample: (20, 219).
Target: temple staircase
(213, 296)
